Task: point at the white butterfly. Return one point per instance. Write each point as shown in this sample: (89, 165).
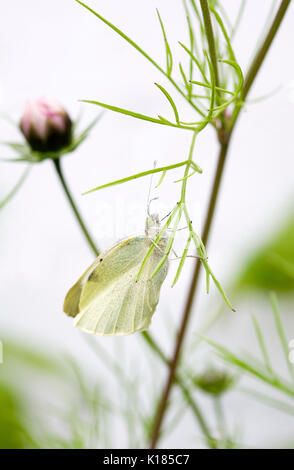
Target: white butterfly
(109, 299)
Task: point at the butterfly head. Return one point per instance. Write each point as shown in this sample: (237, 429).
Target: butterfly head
(152, 226)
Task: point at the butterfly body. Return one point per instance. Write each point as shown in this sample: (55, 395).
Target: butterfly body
(109, 299)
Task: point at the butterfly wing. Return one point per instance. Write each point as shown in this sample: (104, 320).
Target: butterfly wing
(112, 301)
(72, 299)
(71, 304)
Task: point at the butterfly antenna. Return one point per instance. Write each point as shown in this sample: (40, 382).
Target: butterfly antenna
(149, 200)
(166, 216)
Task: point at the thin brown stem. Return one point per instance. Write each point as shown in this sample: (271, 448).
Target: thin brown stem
(188, 307)
(260, 56)
(184, 389)
(261, 53)
(253, 70)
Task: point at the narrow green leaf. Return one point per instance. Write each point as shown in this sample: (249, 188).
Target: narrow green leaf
(201, 69)
(192, 41)
(200, 248)
(164, 120)
(161, 179)
(15, 188)
(198, 16)
(238, 88)
(238, 18)
(139, 49)
(171, 101)
(186, 177)
(136, 115)
(219, 287)
(21, 148)
(224, 31)
(265, 96)
(262, 344)
(169, 58)
(224, 15)
(233, 359)
(159, 236)
(137, 175)
(198, 123)
(223, 90)
(92, 124)
(77, 141)
(212, 83)
(196, 167)
(182, 261)
(169, 244)
(205, 97)
(281, 332)
(184, 77)
(265, 399)
(122, 34)
(18, 159)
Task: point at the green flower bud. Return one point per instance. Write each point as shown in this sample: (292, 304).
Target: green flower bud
(214, 381)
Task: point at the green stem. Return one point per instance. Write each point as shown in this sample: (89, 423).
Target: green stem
(220, 417)
(189, 161)
(210, 38)
(224, 146)
(74, 207)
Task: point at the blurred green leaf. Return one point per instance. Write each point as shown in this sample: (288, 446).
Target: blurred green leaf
(253, 367)
(272, 266)
(14, 190)
(17, 354)
(19, 147)
(13, 432)
(65, 390)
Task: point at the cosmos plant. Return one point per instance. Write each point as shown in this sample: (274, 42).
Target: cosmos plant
(213, 84)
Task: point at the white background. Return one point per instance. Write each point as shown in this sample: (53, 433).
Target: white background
(56, 48)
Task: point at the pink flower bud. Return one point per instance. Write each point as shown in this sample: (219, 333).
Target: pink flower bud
(46, 125)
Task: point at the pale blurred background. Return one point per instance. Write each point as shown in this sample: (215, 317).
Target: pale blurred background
(56, 48)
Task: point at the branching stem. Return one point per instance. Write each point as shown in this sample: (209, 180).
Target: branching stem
(224, 146)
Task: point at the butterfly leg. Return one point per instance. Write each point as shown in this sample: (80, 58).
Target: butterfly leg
(188, 256)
